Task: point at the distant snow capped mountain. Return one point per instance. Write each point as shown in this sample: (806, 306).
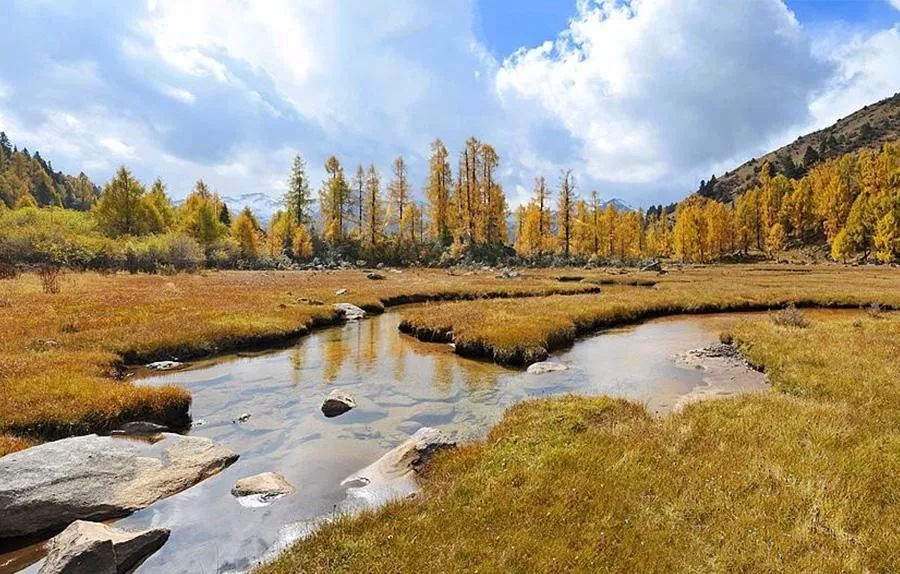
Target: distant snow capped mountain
(618, 204)
(262, 206)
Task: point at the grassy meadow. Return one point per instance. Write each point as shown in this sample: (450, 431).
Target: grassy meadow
(60, 353)
(802, 479)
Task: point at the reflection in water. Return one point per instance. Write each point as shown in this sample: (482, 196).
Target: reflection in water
(400, 385)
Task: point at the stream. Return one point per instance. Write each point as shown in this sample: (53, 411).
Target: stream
(400, 385)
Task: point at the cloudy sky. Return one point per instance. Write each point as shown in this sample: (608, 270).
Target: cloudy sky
(641, 98)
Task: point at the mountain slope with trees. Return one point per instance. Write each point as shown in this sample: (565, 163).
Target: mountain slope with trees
(866, 129)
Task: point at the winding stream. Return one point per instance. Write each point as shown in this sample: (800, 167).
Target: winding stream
(400, 385)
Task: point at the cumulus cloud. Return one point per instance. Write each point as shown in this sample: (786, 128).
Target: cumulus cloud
(655, 88)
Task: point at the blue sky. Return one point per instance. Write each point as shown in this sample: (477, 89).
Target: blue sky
(641, 99)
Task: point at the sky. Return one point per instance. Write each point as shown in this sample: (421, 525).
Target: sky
(641, 99)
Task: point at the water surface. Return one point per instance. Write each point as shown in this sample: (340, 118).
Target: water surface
(400, 385)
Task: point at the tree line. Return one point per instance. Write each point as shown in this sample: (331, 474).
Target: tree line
(850, 203)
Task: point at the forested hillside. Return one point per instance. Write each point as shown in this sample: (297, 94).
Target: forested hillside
(868, 128)
(28, 180)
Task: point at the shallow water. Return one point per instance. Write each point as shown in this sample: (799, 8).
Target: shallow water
(400, 385)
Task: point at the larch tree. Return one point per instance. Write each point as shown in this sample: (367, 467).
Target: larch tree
(358, 183)
(245, 230)
(399, 193)
(566, 210)
(437, 190)
(374, 210)
(121, 209)
(333, 200)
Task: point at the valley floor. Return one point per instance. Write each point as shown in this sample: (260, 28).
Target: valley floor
(804, 478)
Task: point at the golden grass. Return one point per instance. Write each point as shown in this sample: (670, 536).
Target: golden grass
(514, 332)
(59, 352)
(805, 479)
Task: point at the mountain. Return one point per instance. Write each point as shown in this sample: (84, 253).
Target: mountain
(867, 128)
(620, 205)
(262, 206)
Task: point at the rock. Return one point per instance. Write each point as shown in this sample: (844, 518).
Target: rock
(198, 423)
(244, 417)
(164, 365)
(375, 276)
(263, 488)
(140, 427)
(351, 312)
(380, 265)
(546, 367)
(98, 477)
(394, 475)
(653, 266)
(308, 301)
(340, 292)
(91, 547)
(337, 403)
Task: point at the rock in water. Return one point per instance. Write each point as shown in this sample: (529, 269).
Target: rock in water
(394, 475)
(164, 365)
(546, 367)
(262, 488)
(351, 312)
(337, 403)
(97, 477)
(91, 547)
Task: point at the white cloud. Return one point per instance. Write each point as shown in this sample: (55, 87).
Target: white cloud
(895, 3)
(653, 89)
(179, 94)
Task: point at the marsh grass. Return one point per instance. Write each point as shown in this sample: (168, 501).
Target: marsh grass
(802, 479)
(790, 316)
(60, 351)
(518, 332)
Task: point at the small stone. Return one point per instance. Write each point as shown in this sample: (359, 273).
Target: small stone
(243, 418)
(350, 311)
(141, 427)
(375, 276)
(266, 486)
(164, 365)
(337, 403)
(546, 367)
(340, 292)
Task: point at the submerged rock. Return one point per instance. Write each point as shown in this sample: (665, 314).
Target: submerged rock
(164, 365)
(97, 477)
(351, 312)
(546, 367)
(263, 488)
(94, 548)
(394, 475)
(337, 403)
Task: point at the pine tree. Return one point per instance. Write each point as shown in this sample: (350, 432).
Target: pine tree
(298, 197)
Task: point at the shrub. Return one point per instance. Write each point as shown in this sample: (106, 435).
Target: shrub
(8, 271)
(50, 275)
(790, 316)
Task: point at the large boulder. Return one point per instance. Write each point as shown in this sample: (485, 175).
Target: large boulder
(546, 367)
(337, 403)
(91, 548)
(98, 477)
(394, 475)
(350, 311)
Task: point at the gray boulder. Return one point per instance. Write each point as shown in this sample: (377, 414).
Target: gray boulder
(98, 477)
(140, 428)
(91, 548)
(393, 475)
(350, 311)
(164, 365)
(337, 403)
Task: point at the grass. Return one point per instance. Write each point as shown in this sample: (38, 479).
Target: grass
(60, 353)
(803, 479)
(513, 332)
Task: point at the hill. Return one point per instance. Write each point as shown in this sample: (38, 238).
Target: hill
(27, 179)
(867, 128)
